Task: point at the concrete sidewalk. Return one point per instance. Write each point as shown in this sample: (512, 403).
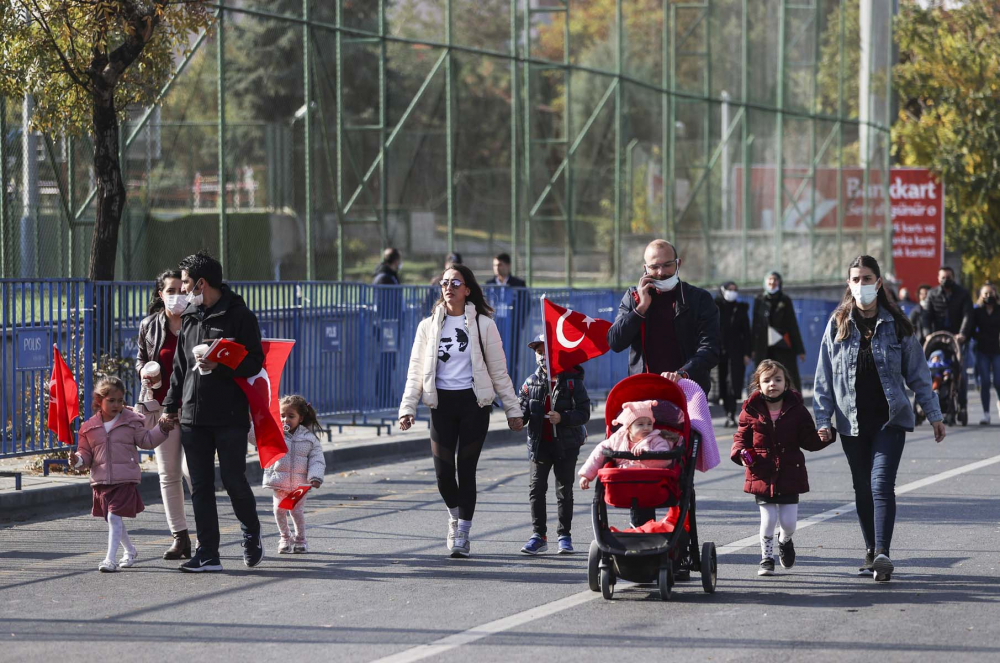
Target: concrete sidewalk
(356, 446)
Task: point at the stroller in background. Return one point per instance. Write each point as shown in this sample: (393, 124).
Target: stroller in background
(944, 359)
(649, 556)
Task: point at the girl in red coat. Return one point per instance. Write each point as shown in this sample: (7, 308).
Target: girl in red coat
(774, 427)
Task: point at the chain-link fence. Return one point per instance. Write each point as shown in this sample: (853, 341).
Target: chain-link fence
(567, 133)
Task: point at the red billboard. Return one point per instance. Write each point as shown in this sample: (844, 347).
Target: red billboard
(915, 195)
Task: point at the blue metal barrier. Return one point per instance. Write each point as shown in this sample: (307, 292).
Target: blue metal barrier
(352, 347)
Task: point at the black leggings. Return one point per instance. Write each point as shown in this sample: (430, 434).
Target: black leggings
(459, 425)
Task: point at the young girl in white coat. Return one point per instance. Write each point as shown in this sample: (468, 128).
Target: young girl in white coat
(304, 464)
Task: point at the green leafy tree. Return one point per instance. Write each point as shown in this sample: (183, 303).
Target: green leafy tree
(948, 80)
(84, 62)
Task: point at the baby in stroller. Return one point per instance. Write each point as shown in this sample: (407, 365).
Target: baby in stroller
(943, 381)
(637, 436)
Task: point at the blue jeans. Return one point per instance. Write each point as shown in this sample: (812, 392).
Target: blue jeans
(988, 367)
(874, 459)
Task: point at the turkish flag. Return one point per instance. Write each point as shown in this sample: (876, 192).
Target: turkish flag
(262, 393)
(228, 353)
(64, 400)
(294, 498)
(571, 337)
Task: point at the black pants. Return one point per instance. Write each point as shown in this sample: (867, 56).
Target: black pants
(458, 427)
(565, 473)
(731, 372)
(200, 446)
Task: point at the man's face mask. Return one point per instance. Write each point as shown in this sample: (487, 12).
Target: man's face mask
(198, 299)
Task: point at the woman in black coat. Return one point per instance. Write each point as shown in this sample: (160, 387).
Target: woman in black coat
(734, 325)
(775, 329)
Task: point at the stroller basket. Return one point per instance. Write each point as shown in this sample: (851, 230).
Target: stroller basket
(649, 488)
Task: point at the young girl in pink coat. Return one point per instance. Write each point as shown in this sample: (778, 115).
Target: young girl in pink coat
(108, 445)
(636, 435)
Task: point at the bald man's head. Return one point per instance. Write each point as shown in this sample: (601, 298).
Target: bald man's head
(661, 259)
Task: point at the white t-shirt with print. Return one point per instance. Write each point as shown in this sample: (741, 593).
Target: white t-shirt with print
(454, 367)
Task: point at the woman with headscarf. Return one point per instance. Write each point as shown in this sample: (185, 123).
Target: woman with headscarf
(775, 329)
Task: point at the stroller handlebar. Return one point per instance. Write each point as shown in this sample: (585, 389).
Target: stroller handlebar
(649, 455)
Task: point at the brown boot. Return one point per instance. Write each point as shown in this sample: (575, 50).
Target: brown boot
(181, 548)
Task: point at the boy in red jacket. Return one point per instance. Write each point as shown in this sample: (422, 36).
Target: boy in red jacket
(774, 427)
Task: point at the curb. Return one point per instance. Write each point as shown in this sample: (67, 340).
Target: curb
(78, 495)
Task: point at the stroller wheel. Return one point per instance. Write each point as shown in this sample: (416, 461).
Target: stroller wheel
(607, 583)
(709, 567)
(593, 570)
(666, 582)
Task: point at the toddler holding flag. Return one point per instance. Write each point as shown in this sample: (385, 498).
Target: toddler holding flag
(302, 468)
(108, 446)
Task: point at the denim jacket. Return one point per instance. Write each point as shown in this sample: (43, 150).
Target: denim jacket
(899, 363)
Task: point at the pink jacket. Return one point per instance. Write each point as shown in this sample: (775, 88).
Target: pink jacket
(619, 442)
(112, 456)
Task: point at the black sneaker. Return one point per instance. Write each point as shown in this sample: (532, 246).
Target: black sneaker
(766, 567)
(253, 549)
(882, 568)
(786, 553)
(201, 562)
(866, 566)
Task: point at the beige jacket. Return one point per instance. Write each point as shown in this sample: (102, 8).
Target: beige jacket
(489, 374)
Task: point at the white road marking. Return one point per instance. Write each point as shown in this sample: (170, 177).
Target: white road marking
(507, 623)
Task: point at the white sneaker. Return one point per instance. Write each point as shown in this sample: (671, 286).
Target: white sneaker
(128, 559)
(461, 548)
(108, 566)
(452, 531)
(985, 421)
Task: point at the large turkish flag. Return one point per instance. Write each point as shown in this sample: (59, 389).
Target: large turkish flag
(572, 338)
(262, 392)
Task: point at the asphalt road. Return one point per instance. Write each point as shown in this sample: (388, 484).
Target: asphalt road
(378, 582)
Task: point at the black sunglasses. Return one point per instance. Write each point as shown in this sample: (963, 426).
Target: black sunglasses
(454, 283)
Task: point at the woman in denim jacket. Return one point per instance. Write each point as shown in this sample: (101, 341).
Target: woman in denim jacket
(867, 354)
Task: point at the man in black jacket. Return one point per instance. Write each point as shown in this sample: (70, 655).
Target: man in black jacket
(951, 310)
(734, 325)
(670, 327)
(387, 272)
(213, 410)
(501, 273)
(920, 316)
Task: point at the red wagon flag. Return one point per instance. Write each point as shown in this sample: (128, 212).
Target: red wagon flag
(293, 498)
(572, 337)
(262, 392)
(226, 352)
(64, 400)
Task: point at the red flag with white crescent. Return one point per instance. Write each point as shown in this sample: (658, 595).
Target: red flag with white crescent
(64, 401)
(572, 337)
(293, 498)
(262, 393)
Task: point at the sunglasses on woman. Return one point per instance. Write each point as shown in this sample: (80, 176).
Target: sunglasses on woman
(454, 283)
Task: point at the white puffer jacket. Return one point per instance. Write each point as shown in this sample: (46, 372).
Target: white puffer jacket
(303, 463)
(489, 374)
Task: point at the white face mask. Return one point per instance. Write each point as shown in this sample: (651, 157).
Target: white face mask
(772, 291)
(730, 295)
(198, 299)
(666, 285)
(925, 304)
(175, 303)
(864, 295)
(540, 360)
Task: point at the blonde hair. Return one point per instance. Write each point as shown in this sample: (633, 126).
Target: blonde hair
(765, 367)
(103, 389)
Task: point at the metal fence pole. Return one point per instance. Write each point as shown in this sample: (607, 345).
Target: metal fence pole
(221, 95)
(449, 139)
(3, 187)
(307, 145)
(514, 119)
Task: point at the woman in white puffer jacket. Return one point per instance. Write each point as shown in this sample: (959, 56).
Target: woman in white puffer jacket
(457, 367)
(303, 465)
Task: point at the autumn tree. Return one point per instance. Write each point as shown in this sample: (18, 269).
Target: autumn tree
(84, 62)
(948, 81)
